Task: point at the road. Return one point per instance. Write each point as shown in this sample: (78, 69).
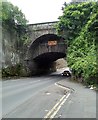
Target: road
(37, 97)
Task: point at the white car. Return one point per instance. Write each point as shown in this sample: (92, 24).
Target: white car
(67, 72)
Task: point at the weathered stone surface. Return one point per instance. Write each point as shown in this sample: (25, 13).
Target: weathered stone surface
(41, 46)
(10, 55)
(37, 30)
(44, 54)
(40, 56)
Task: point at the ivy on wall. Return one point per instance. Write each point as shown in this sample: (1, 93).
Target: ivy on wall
(14, 39)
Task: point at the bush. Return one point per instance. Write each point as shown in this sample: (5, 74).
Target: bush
(79, 26)
(16, 70)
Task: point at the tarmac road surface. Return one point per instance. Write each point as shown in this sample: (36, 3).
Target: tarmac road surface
(41, 97)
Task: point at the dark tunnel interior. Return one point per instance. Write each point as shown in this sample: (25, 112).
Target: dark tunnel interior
(46, 61)
(49, 57)
(45, 55)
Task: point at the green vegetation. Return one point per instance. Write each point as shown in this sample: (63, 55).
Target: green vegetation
(15, 71)
(14, 21)
(79, 26)
(14, 39)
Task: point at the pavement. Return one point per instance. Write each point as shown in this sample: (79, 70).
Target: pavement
(80, 104)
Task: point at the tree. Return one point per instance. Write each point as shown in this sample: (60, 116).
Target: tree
(79, 25)
(74, 17)
(14, 21)
(14, 39)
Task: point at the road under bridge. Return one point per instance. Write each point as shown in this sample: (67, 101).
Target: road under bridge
(45, 49)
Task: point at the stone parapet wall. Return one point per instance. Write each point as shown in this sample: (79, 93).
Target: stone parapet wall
(37, 30)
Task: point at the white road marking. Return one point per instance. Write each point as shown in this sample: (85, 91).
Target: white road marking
(46, 110)
(48, 93)
(21, 84)
(51, 114)
(62, 87)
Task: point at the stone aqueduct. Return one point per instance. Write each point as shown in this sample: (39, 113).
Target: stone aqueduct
(46, 47)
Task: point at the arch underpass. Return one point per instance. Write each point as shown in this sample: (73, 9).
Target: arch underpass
(49, 57)
(44, 51)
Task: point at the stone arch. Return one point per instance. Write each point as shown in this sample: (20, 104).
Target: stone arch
(42, 54)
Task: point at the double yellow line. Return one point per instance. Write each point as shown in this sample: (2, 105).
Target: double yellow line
(56, 108)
